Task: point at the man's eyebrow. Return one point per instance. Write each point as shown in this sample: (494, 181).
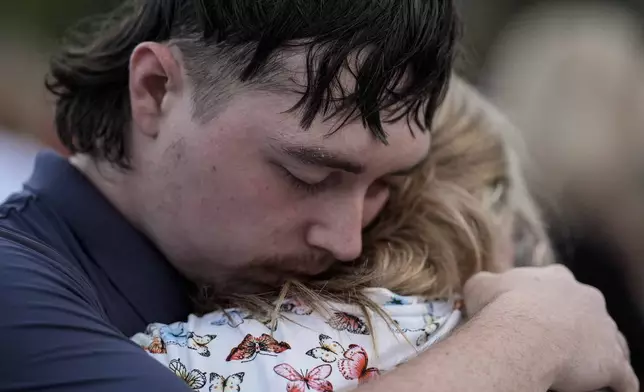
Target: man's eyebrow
(318, 156)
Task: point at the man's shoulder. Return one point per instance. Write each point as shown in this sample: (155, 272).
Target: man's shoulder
(27, 263)
(23, 231)
(21, 246)
(24, 212)
(31, 232)
(49, 310)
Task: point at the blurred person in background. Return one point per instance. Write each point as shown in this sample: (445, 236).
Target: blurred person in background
(26, 118)
(486, 21)
(17, 155)
(572, 79)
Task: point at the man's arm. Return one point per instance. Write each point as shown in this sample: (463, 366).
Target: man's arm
(53, 338)
(533, 329)
(483, 356)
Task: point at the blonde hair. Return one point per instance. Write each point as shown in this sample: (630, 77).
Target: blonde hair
(476, 147)
(437, 228)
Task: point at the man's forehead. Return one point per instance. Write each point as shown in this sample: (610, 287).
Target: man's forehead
(269, 116)
(353, 147)
(293, 75)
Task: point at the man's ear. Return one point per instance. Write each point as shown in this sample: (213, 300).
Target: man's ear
(155, 76)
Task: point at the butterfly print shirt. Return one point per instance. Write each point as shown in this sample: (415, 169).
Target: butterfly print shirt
(303, 350)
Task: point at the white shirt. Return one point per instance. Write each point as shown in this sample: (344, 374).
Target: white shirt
(232, 351)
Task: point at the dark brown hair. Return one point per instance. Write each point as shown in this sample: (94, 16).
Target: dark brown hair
(406, 49)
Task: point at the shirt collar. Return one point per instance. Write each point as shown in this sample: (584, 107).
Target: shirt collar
(133, 264)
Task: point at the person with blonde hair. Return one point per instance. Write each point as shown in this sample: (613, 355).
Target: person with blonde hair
(472, 176)
(475, 146)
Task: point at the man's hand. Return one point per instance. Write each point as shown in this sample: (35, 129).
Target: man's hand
(579, 339)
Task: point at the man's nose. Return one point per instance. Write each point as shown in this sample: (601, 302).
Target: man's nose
(338, 230)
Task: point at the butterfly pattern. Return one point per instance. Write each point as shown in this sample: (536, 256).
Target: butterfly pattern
(158, 336)
(178, 334)
(437, 315)
(234, 318)
(231, 383)
(251, 346)
(328, 351)
(314, 379)
(398, 300)
(151, 344)
(355, 365)
(293, 306)
(342, 321)
(196, 379)
(296, 306)
(203, 359)
(431, 326)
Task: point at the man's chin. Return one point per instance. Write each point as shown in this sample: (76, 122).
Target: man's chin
(243, 287)
(267, 278)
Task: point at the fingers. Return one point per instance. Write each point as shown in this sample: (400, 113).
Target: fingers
(623, 344)
(485, 287)
(560, 269)
(625, 379)
(602, 347)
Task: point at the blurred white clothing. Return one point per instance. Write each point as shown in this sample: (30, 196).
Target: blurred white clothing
(17, 154)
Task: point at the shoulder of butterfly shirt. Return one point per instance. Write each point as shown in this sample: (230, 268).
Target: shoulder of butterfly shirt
(396, 305)
(400, 308)
(422, 321)
(412, 325)
(301, 334)
(198, 330)
(407, 312)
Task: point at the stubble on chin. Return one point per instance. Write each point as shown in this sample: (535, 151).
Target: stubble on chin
(229, 293)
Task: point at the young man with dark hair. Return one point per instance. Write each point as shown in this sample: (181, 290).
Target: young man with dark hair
(235, 145)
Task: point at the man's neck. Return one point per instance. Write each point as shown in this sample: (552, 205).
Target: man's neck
(114, 183)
